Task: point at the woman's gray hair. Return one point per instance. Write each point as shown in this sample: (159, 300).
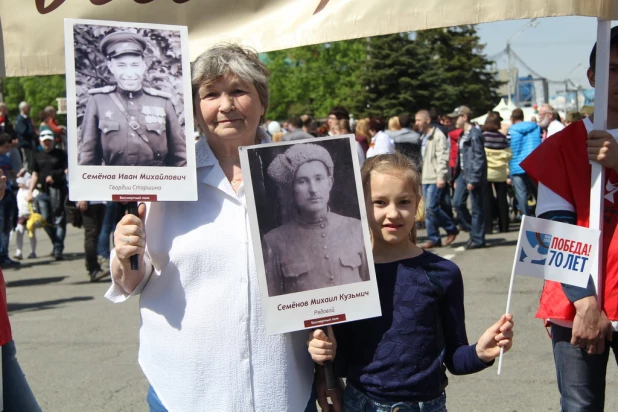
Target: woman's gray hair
(225, 58)
(49, 109)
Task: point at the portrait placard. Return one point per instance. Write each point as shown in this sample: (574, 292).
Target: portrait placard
(309, 232)
(129, 116)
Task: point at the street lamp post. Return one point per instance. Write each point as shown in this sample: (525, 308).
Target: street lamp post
(531, 23)
(566, 88)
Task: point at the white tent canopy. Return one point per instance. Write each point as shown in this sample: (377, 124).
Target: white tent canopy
(505, 109)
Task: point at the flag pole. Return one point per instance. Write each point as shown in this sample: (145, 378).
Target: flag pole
(597, 178)
(508, 298)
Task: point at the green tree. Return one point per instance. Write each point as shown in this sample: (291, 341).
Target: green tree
(39, 91)
(313, 79)
(439, 68)
(395, 76)
(462, 69)
(384, 75)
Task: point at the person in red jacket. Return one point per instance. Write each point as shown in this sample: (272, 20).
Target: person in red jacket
(59, 130)
(583, 325)
(453, 137)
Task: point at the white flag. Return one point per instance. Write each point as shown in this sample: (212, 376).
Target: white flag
(556, 251)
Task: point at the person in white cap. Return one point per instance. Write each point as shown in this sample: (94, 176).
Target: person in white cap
(49, 177)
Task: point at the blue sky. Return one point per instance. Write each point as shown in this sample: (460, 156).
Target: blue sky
(553, 48)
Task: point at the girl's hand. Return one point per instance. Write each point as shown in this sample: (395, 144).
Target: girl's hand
(322, 346)
(499, 335)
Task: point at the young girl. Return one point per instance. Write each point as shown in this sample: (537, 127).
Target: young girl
(398, 361)
(26, 222)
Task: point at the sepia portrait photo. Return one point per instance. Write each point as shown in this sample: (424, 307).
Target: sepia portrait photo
(130, 102)
(308, 215)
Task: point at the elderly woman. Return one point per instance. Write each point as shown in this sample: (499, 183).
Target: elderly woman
(203, 344)
(316, 248)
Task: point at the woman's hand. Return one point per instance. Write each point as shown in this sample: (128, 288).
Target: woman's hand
(499, 335)
(322, 346)
(129, 240)
(130, 237)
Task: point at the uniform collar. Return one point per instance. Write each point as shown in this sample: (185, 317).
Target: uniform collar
(320, 223)
(130, 95)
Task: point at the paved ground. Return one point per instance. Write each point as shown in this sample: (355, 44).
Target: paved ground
(80, 352)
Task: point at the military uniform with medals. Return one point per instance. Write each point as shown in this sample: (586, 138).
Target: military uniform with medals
(108, 138)
(301, 256)
(310, 252)
(130, 128)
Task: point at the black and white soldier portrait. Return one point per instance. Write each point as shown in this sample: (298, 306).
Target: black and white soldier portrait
(133, 112)
(308, 214)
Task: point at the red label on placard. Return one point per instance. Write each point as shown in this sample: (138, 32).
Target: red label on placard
(134, 198)
(312, 323)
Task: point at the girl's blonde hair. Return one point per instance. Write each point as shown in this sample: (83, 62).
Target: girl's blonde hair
(397, 165)
(362, 129)
(393, 123)
(277, 136)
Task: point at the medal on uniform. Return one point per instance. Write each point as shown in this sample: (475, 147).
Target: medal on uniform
(146, 111)
(160, 113)
(108, 114)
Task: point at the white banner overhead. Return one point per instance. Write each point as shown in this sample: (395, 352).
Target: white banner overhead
(32, 30)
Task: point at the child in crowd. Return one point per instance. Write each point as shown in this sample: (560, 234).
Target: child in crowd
(398, 361)
(27, 221)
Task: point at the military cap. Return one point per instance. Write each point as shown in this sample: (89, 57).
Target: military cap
(283, 169)
(122, 42)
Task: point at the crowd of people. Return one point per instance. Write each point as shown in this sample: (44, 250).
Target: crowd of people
(34, 160)
(471, 177)
(197, 279)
